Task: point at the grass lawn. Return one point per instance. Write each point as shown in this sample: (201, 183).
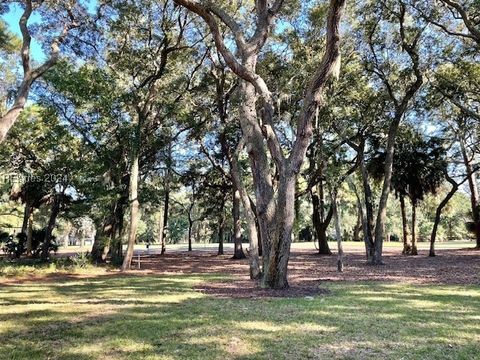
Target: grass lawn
(162, 317)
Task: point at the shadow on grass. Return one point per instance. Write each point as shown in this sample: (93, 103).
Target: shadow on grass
(153, 317)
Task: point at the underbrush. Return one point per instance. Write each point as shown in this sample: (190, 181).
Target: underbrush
(78, 263)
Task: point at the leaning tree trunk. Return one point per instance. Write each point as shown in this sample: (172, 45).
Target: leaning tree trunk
(7, 120)
(134, 211)
(237, 226)
(50, 226)
(438, 214)
(404, 226)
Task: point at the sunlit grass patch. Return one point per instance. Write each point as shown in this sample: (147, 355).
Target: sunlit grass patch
(163, 317)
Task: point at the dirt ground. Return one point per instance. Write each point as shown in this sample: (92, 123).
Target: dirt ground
(308, 271)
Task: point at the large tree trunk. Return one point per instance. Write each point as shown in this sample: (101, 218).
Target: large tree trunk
(387, 179)
(134, 211)
(472, 185)
(414, 226)
(101, 245)
(275, 207)
(50, 226)
(237, 226)
(276, 250)
(406, 249)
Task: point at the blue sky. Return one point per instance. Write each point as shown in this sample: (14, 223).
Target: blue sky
(13, 16)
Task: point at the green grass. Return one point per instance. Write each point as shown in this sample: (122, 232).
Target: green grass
(162, 317)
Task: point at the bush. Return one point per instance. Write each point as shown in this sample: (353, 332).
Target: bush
(17, 246)
(81, 260)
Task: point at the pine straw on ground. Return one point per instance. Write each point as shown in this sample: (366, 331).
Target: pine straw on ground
(307, 271)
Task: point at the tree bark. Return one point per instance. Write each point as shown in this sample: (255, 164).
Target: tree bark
(473, 187)
(50, 226)
(368, 234)
(237, 226)
(404, 226)
(221, 232)
(275, 207)
(320, 223)
(31, 75)
(382, 206)
(338, 234)
(30, 234)
(190, 227)
(414, 233)
(166, 205)
(134, 209)
(438, 214)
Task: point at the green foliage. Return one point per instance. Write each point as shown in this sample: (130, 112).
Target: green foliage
(16, 246)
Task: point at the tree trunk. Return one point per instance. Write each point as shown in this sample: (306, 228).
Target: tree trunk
(277, 248)
(26, 215)
(221, 232)
(237, 226)
(474, 195)
(30, 234)
(190, 228)
(320, 223)
(134, 211)
(9, 118)
(50, 226)
(382, 206)
(358, 224)
(414, 226)
(166, 205)
(369, 220)
(406, 249)
(438, 214)
(249, 123)
(338, 234)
